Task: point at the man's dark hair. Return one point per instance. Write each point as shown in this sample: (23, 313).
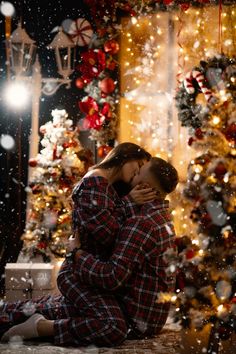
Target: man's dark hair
(165, 173)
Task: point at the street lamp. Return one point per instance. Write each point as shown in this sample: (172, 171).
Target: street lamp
(22, 51)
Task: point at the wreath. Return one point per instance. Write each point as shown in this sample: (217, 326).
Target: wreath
(215, 81)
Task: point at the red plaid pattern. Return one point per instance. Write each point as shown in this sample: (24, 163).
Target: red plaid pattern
(136, 271)
(99, 319)
(98, 215)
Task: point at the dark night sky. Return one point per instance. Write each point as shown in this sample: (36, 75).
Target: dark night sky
(40, 17)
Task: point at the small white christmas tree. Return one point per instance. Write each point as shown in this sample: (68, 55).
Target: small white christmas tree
(58, 167)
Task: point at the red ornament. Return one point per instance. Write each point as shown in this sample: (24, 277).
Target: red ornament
(42, 245)
(168, 2)
(230, 133)
(184, 6)
(190, 254)
(199, 133)
(111, 46)
(220, 170)
(79, 83)
(111, 64)
(107, 85)
(65, 145)
(107, 149)
(93, 63)
(33, 162)
(191, 141)
(103, 150)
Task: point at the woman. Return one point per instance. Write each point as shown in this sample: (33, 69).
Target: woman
(98, 211)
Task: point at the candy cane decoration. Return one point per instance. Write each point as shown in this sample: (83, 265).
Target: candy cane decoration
(199, 77)
(188, 83)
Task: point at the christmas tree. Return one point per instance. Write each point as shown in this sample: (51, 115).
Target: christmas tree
(206, 104)
(60, 164)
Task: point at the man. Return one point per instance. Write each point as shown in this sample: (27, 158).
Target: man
(127, 286)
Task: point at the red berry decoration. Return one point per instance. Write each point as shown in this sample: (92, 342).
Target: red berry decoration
(107, 85)
(111, 46)
(33, 162)
(79, 83)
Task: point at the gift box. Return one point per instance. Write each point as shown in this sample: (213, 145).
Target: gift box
(24, 281)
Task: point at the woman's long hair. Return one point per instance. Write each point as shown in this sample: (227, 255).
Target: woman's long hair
(121, 154)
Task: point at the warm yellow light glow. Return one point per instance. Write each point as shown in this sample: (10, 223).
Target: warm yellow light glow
(198, 169)
(173, 298)
(215, 120)
(195, 242)
(134, 20)
(17, 95)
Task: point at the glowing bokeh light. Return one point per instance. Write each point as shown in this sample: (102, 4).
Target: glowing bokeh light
(17, 95)
(7, 9)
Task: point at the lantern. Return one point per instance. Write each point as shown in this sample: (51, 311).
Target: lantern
(64, 51)
(22, 49)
